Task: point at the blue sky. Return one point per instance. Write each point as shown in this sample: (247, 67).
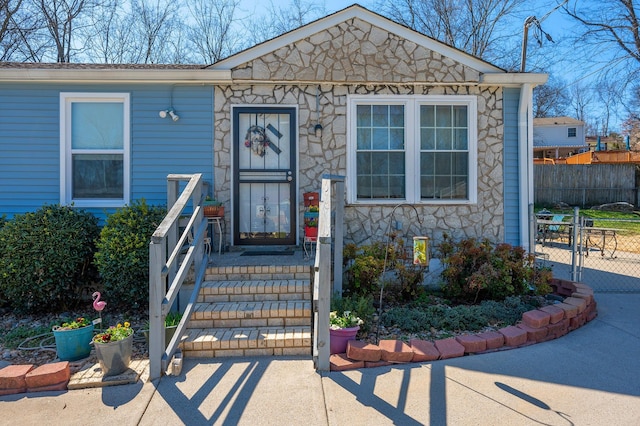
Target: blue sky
(571, 65)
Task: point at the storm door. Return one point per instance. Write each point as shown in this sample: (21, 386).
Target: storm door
(264, 176)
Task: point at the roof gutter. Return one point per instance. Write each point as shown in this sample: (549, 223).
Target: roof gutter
(114, 75)
(513, 79)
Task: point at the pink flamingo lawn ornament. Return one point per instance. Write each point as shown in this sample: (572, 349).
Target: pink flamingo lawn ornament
(98, 305)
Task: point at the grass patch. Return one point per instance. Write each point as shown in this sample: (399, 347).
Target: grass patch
(11, 339)
(626, 221)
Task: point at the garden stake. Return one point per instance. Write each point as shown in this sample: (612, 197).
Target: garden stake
(384, 265)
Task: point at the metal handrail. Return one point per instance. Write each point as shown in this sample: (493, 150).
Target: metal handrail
(168, 269)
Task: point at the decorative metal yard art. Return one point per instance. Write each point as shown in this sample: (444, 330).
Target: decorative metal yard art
(422, 243)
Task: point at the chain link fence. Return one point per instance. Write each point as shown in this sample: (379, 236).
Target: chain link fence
(603, 253)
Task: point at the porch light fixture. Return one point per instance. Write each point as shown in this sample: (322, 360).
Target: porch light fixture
(170, 112)
(317, 129)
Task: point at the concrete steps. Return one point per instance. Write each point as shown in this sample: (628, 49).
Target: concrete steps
(252, 311)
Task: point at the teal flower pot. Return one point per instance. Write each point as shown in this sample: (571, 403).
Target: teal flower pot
(75, 344)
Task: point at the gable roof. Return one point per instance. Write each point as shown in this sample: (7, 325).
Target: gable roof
(350, 12)
(557, 121)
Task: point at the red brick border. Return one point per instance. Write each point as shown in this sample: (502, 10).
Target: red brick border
(539, 325)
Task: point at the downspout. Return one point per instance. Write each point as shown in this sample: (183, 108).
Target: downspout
(525, 164)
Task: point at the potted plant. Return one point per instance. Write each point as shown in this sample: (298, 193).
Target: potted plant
(73, 339)
(170, 325)
(212, 207)
(113, 349)
(342, 328)
(311, 224)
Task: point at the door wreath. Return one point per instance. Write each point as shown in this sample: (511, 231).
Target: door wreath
(257, 140)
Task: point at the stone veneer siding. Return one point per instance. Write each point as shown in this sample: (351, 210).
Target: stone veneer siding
(358, 58)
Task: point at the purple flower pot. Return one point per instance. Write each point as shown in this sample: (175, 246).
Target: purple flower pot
(338, 338)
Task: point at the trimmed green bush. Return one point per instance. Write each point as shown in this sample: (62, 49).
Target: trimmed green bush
(46, 258)
(122, 257)
(419, 317)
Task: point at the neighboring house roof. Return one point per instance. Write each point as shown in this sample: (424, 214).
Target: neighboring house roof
(557, 121)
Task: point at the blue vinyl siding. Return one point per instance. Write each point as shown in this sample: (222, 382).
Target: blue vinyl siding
(511, 99)
(30, 140)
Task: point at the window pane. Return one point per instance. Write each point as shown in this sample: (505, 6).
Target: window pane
(364, 187)
(443, 116)
(397, 139)
(364, 163)
(98, 176)
(460, 139)
(380, 116)
(427, 164)
(427, 116)
(396, 187)
(379, 186)
(364, 115)
(460, 116)
(97, 125)
(427, 139)
(396, 114)
(364, 138)
(443, 139)
(460, 164)
(427, 187)
(461, 189)
(443, 163)
(396, 163)
(381, 139)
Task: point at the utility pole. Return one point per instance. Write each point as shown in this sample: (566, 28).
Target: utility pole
(532, 20)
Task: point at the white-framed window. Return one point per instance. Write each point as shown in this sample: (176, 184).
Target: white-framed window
(414, 149)
(571, 132)
(94, 149)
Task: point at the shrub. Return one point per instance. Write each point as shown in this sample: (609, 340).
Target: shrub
(365, 265)
(477, 270)
(46, 258)
(359, 305)
(123, 253)
(418, 317)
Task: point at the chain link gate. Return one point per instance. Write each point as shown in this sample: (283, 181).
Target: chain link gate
(603, 253)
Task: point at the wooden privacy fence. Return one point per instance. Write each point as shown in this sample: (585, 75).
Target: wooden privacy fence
(586, 185)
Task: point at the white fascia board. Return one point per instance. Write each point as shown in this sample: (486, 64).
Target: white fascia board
(515, 79)
(366, 15)
(114, 75)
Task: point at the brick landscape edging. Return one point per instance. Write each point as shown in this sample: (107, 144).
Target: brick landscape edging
(536, 326)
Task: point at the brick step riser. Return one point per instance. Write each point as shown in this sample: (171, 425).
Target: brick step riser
(245, 273)
(271, 297)
(248, 341)
(275, 320)
(252, 310)
(245, 323)
(302, 351)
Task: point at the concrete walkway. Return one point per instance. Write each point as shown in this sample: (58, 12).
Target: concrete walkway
(589, 377)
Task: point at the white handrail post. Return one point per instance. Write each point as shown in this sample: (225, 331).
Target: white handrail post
(338, 235)
(322, 282)
(157, 260)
